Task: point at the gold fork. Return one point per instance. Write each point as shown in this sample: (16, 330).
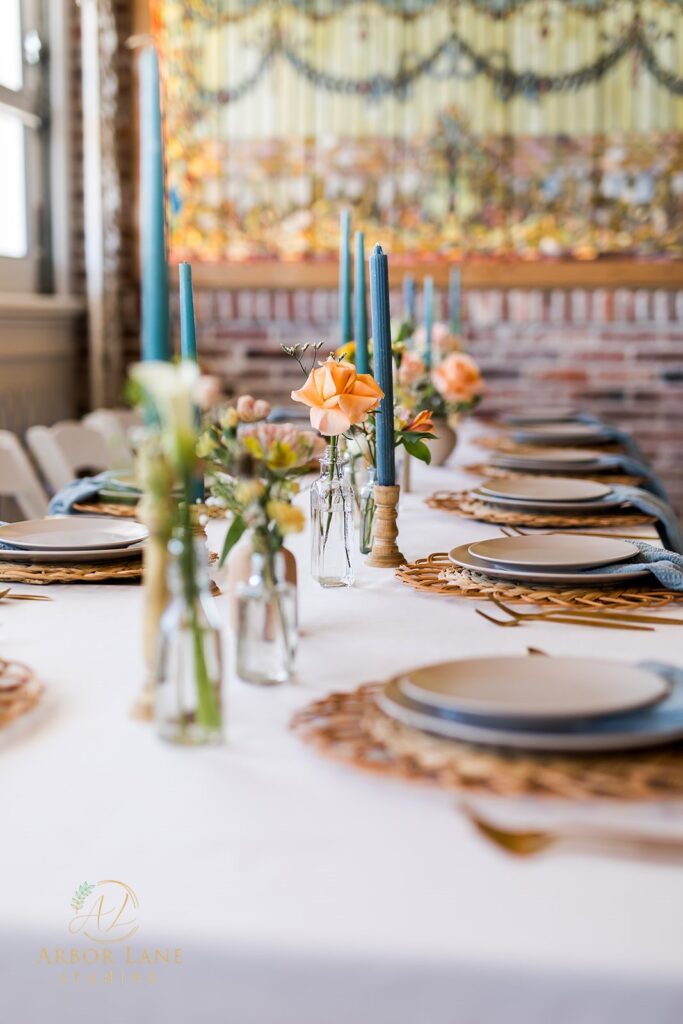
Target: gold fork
(575, 621)
(515, 531)
(527, 842)
(589, 613)
(7, 593)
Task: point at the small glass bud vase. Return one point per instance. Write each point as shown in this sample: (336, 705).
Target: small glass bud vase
(332, 522)
(188, 706)
(266, 622)
(367, 511)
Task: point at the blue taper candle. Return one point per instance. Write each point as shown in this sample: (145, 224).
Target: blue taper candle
(360, 303)
(345, 277)
(188, 331)
(156, 331)
(409, 298)
(381, 344)
(188, 348)
(454, 300)
(428, 314)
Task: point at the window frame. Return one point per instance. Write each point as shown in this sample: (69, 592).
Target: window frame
(31, 105)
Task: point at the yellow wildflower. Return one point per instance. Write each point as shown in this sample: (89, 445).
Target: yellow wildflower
(248, 491)
(229, 418)
(288, 518)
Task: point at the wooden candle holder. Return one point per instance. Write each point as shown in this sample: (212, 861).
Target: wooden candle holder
(385, 553)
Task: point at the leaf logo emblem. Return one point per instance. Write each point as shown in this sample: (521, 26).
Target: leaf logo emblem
(81, 895)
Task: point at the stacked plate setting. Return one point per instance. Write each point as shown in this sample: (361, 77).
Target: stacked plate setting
(61, 539)
(541, 703)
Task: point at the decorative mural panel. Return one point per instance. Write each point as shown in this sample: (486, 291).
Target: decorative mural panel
(500, 128)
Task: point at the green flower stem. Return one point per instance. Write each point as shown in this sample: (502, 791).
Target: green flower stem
(208, 710)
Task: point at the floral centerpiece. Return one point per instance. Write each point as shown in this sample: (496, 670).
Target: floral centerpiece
(188, 701)
(340, 400)
(453, 387)
(252, 469)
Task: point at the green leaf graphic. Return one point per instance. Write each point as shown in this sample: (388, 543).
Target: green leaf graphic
(81, 895)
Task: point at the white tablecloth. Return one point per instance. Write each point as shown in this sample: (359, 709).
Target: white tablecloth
(302, 891)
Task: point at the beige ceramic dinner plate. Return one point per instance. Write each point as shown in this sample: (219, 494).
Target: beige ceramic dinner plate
(69, 557)
(554, 689)
(571, 456)
(72, 533)
(548, 576)
(554, 551)
(545, 488)
(547, 433)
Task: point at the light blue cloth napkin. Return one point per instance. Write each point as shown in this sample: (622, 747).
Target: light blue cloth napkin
(85, 489)
(665, 566)
(634, 467)
(667, 524)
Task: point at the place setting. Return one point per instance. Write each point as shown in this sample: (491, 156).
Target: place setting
(547, 501)
(61, 549)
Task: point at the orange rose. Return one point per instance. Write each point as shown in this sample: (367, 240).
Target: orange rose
(338, 397)
(422, 423)
(457, 379)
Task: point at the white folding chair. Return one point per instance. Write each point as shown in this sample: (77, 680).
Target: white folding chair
(68, 450)
(115, 426)
(18, 479)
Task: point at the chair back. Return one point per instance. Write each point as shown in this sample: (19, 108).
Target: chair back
(18, 479)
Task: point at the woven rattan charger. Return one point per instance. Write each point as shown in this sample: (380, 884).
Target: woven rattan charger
(19, 690)
(351, 728)
(465, 504)
(129, 571)
(103, 508)
(484, 469)
(436, 574)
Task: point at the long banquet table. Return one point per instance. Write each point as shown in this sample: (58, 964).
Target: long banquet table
(300, 890)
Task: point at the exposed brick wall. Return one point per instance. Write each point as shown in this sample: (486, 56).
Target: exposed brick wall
(618, 353)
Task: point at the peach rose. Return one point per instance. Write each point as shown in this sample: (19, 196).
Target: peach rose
(251, 410)
(457, 378)
(411, 369)
(338, 396)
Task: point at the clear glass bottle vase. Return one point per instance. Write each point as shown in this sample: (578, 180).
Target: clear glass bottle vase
(188, 704)
(266, 622)
(332, 522)
(367, 512)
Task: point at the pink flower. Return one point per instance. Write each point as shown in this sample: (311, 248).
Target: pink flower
(457, 379)
(411, 369)
(251, 410)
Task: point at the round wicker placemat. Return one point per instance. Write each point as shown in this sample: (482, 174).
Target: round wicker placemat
(19, 690)
(503, 443)
(498, 473)
(351, 728)
(464, 504)
(103, 508)
(76, 572)
(436, 574)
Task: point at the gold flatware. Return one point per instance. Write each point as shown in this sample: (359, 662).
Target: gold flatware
(527, 842)
(515, 531)
(567, 618)
(10, 596)
(589, 613)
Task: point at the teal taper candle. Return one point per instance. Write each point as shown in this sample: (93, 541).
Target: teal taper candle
(360, 320)
(383, 363)
(428, 313)
(156, 332)
(188, 333)
(409, 298)
(454, 300)
(345, 277)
